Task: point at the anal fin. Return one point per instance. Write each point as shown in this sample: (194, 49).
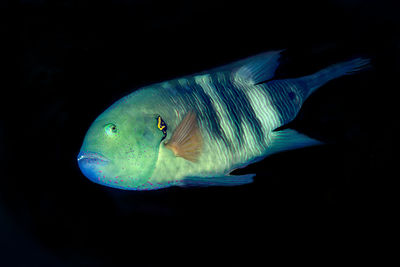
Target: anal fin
(289, 139)
(228, 180)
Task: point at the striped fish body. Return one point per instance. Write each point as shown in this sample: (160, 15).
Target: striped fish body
(238, 107)
(236, 121)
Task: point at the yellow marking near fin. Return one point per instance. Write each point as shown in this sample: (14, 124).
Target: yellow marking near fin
(186, 142)
(159, 124)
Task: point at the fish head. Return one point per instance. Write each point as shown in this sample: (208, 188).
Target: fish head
(121, 149)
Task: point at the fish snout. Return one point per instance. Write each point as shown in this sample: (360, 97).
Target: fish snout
(91, 163)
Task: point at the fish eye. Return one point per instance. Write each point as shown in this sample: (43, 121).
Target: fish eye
(111, 129)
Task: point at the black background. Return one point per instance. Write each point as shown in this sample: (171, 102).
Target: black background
(64, 62)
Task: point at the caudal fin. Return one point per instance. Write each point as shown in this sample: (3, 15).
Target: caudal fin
(318, 79)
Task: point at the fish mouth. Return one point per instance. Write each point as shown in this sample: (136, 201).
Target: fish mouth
(91, 163)
(90, 158)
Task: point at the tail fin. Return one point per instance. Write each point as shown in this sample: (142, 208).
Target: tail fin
(318, 79)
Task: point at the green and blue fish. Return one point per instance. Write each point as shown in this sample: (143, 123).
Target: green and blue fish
(195, 130)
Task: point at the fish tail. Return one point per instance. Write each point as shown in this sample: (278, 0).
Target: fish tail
(316, 80)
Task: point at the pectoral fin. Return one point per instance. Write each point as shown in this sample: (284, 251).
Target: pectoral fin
(186, 141)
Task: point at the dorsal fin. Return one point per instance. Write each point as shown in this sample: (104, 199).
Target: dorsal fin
(186, 141)
(255, 69)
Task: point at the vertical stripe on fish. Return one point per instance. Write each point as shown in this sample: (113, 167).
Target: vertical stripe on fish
(240, 121)
(285, 96)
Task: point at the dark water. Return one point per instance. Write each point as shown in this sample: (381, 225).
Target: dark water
(65, 62)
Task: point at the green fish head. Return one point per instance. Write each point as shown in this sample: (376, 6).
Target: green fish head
(121, 149)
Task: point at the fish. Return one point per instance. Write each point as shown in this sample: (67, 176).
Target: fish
(195, 130)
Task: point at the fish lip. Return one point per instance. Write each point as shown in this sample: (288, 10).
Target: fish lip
(92, 156)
